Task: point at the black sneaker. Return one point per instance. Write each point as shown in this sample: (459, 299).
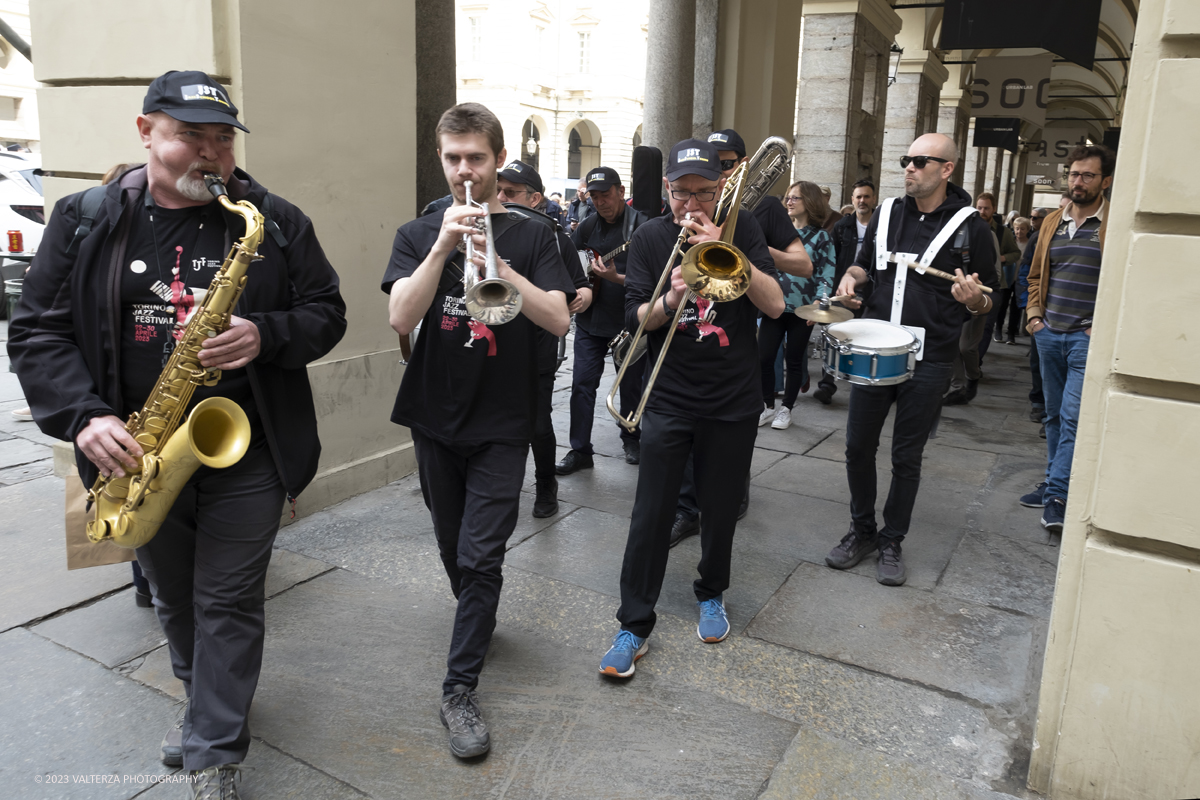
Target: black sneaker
(824, 394)
(633, 452)
(685, 525)
(1036, 498)
(956, 398)
(574, 461)
(1036, 413)
(461, 716)
(853, 548)
(889, 569)
(546, 504)
(172, 743)
(972, 389)
(1054, 514)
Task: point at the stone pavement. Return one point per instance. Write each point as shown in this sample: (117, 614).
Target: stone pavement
(831, 686)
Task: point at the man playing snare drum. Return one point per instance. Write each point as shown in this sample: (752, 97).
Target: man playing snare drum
(934, 310)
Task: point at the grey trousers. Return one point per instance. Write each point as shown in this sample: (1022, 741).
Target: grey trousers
(207, 569)
(966, 363)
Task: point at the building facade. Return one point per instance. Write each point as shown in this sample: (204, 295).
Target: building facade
(18, 89)
(564, 78)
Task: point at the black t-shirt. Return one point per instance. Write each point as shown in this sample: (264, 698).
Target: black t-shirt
(711, 371)
(469, 383)
(606, 315)
(170, 261)
(776, 225)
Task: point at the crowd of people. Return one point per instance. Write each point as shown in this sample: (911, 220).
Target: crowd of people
(105, 301)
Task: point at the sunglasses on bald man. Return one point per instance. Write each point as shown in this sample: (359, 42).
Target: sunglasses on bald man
(920, 161)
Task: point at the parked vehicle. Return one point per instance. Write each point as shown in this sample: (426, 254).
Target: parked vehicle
(21, 205)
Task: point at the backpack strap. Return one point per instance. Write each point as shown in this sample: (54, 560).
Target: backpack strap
(272, 227)
(89, 209)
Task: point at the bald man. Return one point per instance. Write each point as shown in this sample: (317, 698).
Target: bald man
(934, 309)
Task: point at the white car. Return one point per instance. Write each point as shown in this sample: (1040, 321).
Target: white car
(21, 205)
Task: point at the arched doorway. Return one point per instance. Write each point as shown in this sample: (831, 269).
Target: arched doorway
(531, 150)
(637, 137)
(583, 148)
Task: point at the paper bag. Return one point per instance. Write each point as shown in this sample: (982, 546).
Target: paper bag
(81, 551)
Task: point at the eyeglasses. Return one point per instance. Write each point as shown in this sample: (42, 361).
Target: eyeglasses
(1086, 177)
(792, 198)
(703, 196)
(920, 161)
(728, 163)
(513, 191)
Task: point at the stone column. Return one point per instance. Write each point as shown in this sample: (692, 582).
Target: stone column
(954, 120)
(912, 110)
(670, 70)
(843, 92)
(705, 80)
(355, 202)
(437, 88)
(995, 157)
(1003, 199)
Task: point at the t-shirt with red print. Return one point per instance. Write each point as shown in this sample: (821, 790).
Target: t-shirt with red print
(467, 383)
(170, 262)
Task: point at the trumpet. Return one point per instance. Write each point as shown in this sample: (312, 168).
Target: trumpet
(493, 300)
(714, 270)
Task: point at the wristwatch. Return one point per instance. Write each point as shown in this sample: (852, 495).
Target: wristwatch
(670, 312)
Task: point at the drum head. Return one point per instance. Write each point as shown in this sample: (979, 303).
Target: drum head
(874, 334)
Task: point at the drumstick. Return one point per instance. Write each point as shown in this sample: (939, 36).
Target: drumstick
(939, 274)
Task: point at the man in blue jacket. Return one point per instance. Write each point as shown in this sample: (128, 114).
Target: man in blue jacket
(98, 319)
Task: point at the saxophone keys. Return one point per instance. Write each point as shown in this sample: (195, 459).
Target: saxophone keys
(147, 440)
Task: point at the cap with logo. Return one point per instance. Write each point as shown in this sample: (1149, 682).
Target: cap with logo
(520, 172)
(602, 178)
(191, 97)
(728, 139)
(693, 157)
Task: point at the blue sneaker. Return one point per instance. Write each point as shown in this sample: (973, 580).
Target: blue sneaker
(1036, 498)
(714, 625)
(1054, 514)
(625, 651)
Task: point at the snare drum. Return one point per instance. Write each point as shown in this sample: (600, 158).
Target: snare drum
(870, 352)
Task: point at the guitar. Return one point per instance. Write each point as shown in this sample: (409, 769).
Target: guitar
(588, 253)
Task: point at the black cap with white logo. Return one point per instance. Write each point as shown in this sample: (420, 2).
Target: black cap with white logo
(191, 97)
(728, 139)
(693, 157)
(602, 178)
(520, 172)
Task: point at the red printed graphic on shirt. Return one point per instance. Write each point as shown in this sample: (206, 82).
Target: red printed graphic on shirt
(481, 331)
(703, 326)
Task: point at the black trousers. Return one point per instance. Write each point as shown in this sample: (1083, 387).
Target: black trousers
(473, 495)
(1036, 398)
(544, 443)
(207, 569)
(722, 452)
(917, 403)
(1008, 305)
(590, 351)
(771, 333)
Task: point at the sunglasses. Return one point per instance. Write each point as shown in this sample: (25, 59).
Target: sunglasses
(920, 161)
(728, 163)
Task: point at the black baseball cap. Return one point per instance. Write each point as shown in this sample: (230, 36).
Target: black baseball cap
(520, 172)
(728, 139)
(191, 97)
(602, 178)
(693, 157)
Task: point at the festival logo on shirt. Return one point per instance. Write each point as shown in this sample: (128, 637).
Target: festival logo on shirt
(481, 331)
(703, 318)
(453, 309)
(152, 321)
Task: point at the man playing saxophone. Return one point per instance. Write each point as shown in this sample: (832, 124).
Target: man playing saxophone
(703, 405)
(102, 310)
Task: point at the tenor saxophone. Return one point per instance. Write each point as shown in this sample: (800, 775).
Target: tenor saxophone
(130, 509)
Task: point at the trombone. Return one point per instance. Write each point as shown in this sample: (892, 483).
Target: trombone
(493, 300)
(716, 271)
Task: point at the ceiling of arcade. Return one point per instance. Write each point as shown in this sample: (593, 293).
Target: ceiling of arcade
(1095, 98)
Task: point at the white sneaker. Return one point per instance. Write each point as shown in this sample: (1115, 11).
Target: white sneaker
(766, 416)
(783, 419)
(25, 415)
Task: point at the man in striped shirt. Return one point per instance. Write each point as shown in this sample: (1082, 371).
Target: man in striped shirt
(1063, 276)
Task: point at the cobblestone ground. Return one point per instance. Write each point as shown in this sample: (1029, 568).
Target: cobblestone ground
(831, 685)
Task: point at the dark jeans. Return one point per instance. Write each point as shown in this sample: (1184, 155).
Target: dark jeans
(966, 363)
(721, 453)
(544, 443)
(771, 333)
(1036, 398)
(1064, 362)
(207, 569)
(918, 401)
(590, 351)
(1008, 305)
(473, 495)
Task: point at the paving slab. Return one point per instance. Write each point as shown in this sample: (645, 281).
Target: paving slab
(65, 715)
(662, 740)
(609, 486)
(819, 767)
(803, 435)
(154, 670)
(288, 569)
(1002, 572)
(999, 509)
(26, 472)
(16, 452)
(34, 579)
(952, 644)
(111, 631)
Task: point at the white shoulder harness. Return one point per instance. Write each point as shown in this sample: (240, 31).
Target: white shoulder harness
(905, 260)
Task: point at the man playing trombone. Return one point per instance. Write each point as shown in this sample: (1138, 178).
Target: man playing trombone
(469, 392)
(703, 398)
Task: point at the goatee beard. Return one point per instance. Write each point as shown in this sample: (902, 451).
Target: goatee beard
(195, 188)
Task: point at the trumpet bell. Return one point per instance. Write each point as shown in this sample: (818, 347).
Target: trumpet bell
(494, 301)
(716, 271)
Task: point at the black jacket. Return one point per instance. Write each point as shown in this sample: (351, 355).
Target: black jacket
(927, 300)
(64, 339)
(845, 245)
